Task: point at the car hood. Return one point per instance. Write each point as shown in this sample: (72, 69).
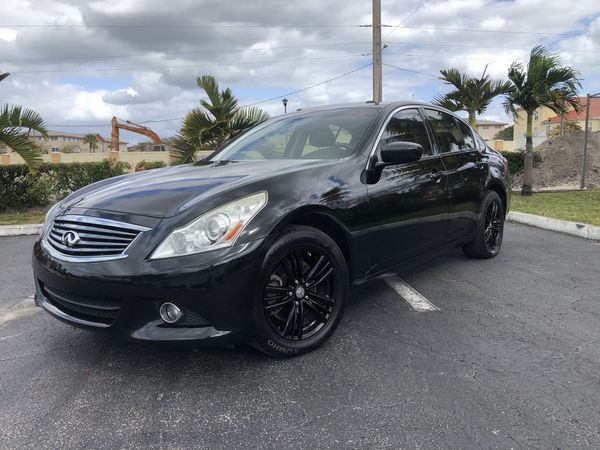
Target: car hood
(167, 192)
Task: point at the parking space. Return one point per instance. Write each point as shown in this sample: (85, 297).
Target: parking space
(507, 358)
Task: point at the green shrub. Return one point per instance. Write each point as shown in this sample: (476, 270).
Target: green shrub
(20, 188)
(516, 160)
(147, 165)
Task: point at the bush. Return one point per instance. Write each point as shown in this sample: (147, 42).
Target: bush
(20, 188)
(147, 165)
(516, 160)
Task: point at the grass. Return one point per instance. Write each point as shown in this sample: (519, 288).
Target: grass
(577, 206)
(33, 215)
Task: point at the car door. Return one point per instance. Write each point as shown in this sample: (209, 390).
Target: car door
(464, 167)
(408, 204)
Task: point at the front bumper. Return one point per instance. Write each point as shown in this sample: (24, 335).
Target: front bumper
(215, 289)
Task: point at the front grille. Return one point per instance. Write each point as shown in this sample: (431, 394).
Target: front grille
(83, 237)
(92, 309)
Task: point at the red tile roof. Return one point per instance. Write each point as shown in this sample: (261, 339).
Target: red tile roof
(576, 116)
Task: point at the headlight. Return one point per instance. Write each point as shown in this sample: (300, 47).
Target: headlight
(216, 229)
(50, 215)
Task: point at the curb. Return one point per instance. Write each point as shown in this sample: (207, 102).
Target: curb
(20, 230)
(562, 226)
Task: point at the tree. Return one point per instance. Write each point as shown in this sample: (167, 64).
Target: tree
(568, 127)
(216, 121)
(470, 94)
(543, 82)
(16, 123)
(505, 134)
(91, 140)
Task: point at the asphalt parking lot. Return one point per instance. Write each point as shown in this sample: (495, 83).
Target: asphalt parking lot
(510, 360)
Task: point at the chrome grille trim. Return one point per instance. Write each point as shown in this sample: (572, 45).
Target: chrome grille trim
(98, 239)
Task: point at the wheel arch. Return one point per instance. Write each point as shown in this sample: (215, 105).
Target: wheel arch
(323, 219)
(497, 186)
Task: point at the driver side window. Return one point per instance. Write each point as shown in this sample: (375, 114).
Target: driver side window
(406, 126)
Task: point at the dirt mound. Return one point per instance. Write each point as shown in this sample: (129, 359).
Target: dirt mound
(561, 162)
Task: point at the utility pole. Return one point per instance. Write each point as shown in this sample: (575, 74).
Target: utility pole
(585, 139)
(377, 77)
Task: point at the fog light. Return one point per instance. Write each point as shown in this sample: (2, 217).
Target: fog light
(170, 312)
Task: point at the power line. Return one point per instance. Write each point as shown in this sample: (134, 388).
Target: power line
(214, 26)
(412, 13)
(410, 70)
(498, 47)
(467, 58)
(479, 30)
(180, 26)
(118, 69)
(236, 50)
(244, 106)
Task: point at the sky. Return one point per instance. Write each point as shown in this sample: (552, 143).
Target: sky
(78, 63)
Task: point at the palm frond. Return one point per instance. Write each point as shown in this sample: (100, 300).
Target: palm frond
(184, 152)
(14, 116)
(20, 143)
(247, 118)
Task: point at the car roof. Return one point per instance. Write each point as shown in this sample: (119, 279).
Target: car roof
(361, 105)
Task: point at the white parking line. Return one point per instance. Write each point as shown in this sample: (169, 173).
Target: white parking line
(408, 293)
(24, 308)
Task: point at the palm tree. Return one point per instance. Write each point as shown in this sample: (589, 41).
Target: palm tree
(216, 121)
(543, 82)
(470, 94)
(16, 123)
(91, 140)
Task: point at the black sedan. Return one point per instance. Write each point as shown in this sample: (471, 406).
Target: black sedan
(262, 241)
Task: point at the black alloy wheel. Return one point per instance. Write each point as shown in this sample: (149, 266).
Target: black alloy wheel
(490, 229)
(303, 294)
(299, 297)
(493, 227)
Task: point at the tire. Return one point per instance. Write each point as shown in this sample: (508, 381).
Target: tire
(302, 294)
(490, 229)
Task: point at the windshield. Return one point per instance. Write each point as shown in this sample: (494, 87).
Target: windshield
(331, 134)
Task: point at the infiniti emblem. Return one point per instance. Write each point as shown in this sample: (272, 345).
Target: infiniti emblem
(70, 238)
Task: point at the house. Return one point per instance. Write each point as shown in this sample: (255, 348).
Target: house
(540, 115)
(59, 141)
(487, 129)
(578, 117)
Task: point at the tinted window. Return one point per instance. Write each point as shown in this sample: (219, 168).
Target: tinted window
(333, 135)
(467, 134)
(326, 134)
(407, 126)
(448, 134)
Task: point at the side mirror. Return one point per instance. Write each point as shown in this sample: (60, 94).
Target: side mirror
(400, 153)
(393, 153)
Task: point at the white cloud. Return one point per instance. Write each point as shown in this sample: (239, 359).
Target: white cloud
(89, 92)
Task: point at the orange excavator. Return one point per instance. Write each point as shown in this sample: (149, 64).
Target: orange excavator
(135, 128)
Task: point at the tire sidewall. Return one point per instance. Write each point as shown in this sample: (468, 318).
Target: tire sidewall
(296, 237)
(491, 196)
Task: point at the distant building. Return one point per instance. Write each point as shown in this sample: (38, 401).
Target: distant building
(544, 119)
(487, 129)
(59, 141)
(578, 117)
(540, 115)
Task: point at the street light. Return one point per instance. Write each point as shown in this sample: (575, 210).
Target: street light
(284, 101)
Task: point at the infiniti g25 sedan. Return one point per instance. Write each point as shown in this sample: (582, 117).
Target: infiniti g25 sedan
(262, 241)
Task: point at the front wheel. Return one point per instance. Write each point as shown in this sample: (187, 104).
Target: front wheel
(303, 292)
(490, 229)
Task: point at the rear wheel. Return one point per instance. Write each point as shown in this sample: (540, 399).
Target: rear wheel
(490, 229)
(304, 287)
